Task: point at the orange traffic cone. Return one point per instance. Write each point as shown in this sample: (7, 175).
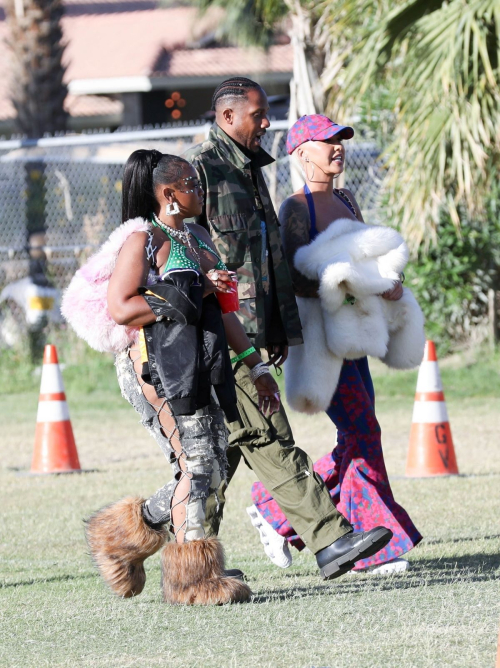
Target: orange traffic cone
(55, 449)
(431, 450)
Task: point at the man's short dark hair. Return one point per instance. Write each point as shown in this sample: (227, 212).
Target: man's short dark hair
(237, 87)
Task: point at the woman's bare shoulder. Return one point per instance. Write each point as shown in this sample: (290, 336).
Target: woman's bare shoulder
(351, 197)
(201, 233)
(347, 192)
(199, 230)
(137, 248)
(136, 241)
(294, 208)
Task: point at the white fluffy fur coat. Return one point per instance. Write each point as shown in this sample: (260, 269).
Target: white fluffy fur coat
(351, 258)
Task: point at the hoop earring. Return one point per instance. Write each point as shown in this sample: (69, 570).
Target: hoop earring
(172, 209)
(305, 169)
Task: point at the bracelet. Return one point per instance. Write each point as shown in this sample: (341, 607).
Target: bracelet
(402, 277)
(242, 355)
(258, 370)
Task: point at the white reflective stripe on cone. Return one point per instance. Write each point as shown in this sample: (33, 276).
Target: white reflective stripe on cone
(52, 411)
(429, 378)
(430, 412)
(51, 379)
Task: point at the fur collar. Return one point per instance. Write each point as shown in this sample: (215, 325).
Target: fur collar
(101, 264)
(84, 303)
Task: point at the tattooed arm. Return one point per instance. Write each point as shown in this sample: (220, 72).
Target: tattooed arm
(294, 218)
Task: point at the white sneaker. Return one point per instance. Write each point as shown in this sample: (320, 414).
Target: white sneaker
(388, 568)
(275, 546)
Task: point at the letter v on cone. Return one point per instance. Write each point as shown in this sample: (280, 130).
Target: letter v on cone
(431, 451)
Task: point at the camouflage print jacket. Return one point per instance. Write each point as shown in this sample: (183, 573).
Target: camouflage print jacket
(232, 218)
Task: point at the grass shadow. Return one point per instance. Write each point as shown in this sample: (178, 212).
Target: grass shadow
(276, 595)
(44, 580)
(447, 571)
(486, 474)
(466, 569)
(466, 539)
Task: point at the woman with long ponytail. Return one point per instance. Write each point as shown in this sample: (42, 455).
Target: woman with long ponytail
(175, 362)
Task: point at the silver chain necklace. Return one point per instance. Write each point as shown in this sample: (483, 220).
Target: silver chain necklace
(347, 199)
(183, 235)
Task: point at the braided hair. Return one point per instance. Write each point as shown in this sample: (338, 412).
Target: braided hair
(144, 171)
(235, 88)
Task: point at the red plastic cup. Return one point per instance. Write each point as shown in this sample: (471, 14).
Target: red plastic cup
(229, 301)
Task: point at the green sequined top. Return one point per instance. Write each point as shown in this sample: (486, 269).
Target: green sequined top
(178, 258)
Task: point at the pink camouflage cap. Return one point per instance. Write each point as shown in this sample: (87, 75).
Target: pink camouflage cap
(315, 128)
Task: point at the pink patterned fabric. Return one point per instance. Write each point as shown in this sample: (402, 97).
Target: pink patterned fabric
(315, 127)
(354, 471)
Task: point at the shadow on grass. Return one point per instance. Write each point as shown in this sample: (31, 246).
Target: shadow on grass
(466, 539)
(420, 479)
(42, 580)
(466, 569)
(275, 595)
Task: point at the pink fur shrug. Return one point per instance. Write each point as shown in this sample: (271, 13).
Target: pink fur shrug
(85, 305)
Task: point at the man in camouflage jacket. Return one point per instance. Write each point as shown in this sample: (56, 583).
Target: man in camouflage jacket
(241, 219)
(244, 227)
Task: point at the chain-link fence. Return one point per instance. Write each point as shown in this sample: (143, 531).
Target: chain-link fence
(61, 197)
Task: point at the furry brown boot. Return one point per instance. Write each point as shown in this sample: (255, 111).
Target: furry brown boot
(120, 540)
(193, 574)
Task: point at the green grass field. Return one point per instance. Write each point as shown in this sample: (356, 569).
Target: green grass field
(55, 611)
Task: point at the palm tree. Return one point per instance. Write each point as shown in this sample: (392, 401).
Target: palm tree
(438, 62)
(254, 23)
(323, 34)
(442, 60)
(38, 90)
(38, 94)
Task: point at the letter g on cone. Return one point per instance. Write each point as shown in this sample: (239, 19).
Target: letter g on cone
(431, 451)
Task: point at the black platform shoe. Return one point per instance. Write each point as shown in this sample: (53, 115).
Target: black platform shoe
(340, 557)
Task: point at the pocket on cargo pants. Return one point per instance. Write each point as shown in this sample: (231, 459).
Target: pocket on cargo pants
(253, 428)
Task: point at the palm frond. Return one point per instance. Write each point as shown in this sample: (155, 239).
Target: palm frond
(445, 59)
(247, 22)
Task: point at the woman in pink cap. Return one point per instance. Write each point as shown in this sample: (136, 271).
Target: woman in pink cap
(354, 471)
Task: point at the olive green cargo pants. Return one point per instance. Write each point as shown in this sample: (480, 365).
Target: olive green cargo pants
(268, 447)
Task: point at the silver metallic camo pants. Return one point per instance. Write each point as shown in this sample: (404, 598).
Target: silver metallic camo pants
(199, 464)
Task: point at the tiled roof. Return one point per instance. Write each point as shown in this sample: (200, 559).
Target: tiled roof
(78, 7)
(82, 105)
(92, 105)
(78, 106)
(223, 61)
(123, 45)
(139, 41)
(120, 3)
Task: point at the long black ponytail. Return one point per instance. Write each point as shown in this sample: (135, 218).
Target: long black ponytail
(144, 170)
